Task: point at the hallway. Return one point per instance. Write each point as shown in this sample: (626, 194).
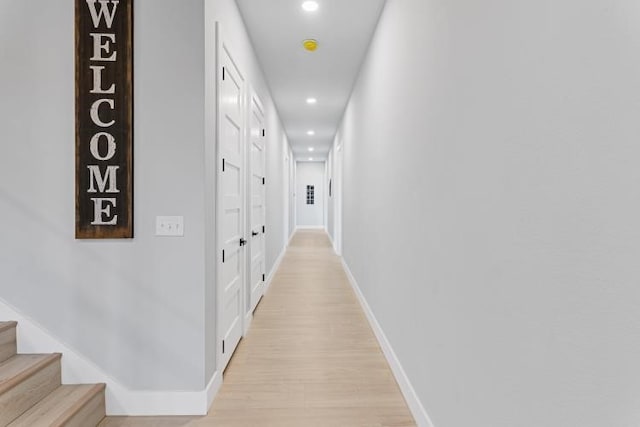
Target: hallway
(474, 165)
(310, 357)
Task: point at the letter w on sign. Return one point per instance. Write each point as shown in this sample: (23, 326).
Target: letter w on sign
(104, 11)
(104, 119)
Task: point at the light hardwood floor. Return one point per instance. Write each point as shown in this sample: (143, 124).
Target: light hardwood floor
(309, 359)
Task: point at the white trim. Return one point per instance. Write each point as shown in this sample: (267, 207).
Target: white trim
(247, 322)
(218, 206)
(310, 227)
(276, 265)
(120, 400)
(333, 245)
(212, 389)
(415, 406)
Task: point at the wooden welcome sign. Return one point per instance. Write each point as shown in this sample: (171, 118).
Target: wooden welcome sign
(104, 119)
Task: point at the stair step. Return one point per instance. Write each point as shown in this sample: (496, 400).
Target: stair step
(25, 379)
(7, 340)
(68, 406)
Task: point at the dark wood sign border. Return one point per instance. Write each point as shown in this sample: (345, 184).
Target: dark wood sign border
(104, 201)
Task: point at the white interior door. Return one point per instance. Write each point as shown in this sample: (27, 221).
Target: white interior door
(337, 200)
(310, 177)
(231, 199)
(292, 197)
(285, 174)
(257, 137)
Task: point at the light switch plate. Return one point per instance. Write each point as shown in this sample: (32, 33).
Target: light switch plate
(170, 226)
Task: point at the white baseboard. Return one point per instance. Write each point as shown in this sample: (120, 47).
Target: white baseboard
(333, 245)
(310, 227)
(415, 406)
(248, 318)
(212, 389)
(120, 400)
(276, 265)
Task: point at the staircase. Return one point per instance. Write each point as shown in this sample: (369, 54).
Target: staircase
(31, 393)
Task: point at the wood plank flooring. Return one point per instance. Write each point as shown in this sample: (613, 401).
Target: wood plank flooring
(309, 359)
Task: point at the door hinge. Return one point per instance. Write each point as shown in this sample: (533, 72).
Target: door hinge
(223, 163)
(223, 255)
(222, 73)
(263, 229)
(263, 180)
(222, 346)
(263, 133)
(263, 277)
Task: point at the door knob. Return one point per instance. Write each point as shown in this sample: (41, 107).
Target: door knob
(242, 242)
(254, 233)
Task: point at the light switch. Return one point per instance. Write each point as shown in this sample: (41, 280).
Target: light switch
(170, 226)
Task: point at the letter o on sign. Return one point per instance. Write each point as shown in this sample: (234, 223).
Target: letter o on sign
(111, 146)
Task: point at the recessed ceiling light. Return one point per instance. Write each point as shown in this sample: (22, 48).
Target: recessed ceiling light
(310, 6)
(310, 159)
(310, 148)
(311, 100)
(311, 132)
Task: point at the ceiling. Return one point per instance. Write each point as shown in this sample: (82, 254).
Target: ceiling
(343, 29)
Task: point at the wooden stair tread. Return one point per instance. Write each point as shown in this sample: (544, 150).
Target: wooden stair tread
(21, 366)
(59, 406)
(7, 325)
(31, 394)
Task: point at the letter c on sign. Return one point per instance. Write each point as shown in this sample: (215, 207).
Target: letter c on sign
(95, 110)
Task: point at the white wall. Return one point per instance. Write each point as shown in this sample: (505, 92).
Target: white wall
(491, 207)
(142, 310)
(276, 191)
(133, 307)
(310, 173)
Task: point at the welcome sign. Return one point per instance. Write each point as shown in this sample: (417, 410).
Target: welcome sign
(104, 119)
